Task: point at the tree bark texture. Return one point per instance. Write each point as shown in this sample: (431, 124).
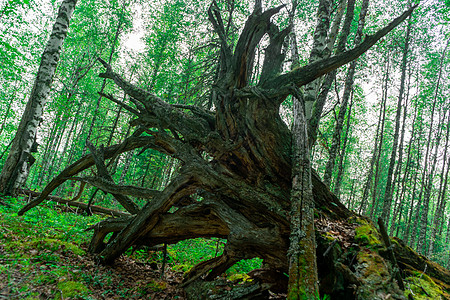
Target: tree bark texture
(16, 168)
(318, 51)
(303, 278)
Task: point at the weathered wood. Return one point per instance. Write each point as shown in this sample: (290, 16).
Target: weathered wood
(94, 208)
(387, 243)
(303, 278)
(85, 162)
(99, 158)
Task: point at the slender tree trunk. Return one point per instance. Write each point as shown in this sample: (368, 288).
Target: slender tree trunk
(99, 99)
(51, 141)
(317, 106)
(351, 202)
(69, 141)
(114, 126)
(447, 237)
(402, 189)
(423, 181)
(318, 51)
(16, 168)
(398, 168)
(126, 166)
(388, 191)
(8, 107)
(340, 174)
(440, 207)
(424, 216)
(369, 180)
(409, 226)
(335, 144)
(380, 143)
(427, 195)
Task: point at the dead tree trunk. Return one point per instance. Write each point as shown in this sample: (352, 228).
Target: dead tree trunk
(237, 157)
(303, 278)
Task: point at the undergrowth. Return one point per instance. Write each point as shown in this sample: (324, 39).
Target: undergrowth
(43, 256)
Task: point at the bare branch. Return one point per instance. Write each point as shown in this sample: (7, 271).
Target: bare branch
(256, 26)
(279, 86)
(148, 217)
(110, 187)
(98, 156)
(85, 162)
(124, 105)
(216, 20)
(160, 114)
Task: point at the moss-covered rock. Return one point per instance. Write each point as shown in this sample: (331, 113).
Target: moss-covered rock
(367, 235)
(375, 279)
(422, 287)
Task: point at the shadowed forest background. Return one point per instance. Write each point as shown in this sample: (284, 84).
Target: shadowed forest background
(183, 119)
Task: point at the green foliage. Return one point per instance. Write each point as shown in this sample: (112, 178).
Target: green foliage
(37, 247)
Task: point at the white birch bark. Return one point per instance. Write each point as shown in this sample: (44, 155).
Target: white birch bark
(318, 51)
(15, 170)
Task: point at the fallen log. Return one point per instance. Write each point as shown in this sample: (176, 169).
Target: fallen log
(94, 208)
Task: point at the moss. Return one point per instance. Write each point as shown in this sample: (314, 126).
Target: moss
(367, 235)
(373, 265)
(372, 270)
(156, 286)
(328, 236)
(45, 244)
(182, 267)
(239, 278)
(44, 279)
(423, 287)
(71, 289)
(299, 291)
(33, 296)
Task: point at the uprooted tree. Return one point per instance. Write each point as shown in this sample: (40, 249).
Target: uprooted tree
(235, 159)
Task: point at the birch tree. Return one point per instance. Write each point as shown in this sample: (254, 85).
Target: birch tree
(16, 168)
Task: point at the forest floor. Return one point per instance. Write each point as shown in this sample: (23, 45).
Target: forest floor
(43, 255)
